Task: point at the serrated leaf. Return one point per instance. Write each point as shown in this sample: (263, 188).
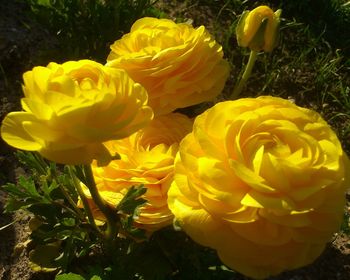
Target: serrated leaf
(13, 189)
(128, 225)
(132, 200)
(28, 185)
(13, 204)
(25, 188)
(69, 276)
(47, 189)
(32, 160)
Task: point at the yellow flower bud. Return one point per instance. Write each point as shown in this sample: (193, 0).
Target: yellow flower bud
(258, 29)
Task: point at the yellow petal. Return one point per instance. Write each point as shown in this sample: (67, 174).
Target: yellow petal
(41, 110)
(41, 132)
(35, 82)
(13, 132)
(250, 178)
(260, 200)
(79, 155)
(63, 84)
(290, 219)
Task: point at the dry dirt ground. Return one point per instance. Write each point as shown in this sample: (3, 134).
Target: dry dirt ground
(20, 39)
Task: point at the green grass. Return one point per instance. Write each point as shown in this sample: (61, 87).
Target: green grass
(86, 28)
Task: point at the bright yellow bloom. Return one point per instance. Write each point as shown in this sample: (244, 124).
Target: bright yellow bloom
(258, 29)
(262, 181)
(177, 64)
(147, 157)
(70, 109)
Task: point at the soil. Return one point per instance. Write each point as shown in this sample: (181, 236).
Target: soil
(20, 40)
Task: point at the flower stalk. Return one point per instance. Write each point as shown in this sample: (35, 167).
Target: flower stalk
(258, 31)
(246, 74)
(83, 198)
(111, 217)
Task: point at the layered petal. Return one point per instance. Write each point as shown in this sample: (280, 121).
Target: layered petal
(262, 181)
(70, 109)
(177, 64)
(147, 158)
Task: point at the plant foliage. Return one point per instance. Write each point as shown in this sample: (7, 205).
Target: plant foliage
(86, 28)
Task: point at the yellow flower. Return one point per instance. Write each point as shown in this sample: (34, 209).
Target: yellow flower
(70, 109)
(147, 157)
(177, 64)
(258, 29)
(262, 181)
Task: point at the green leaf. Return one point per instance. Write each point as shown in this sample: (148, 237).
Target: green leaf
(69, 276)
(132, 200)
(33, 160)
(68, 222)
(42, 258)
(12, 189)
(25, 189)
(66, 183)
(48, 188)
(29, 186)
(23, 195)
(49, 212)
(35, 223)
(128, 207)
(95, 277)
(13, 204)
(128, 226)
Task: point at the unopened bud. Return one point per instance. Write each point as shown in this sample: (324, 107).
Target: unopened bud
(258, 29)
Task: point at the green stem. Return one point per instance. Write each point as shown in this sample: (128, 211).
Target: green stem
(71, 201)
(108, 212)
(83, 198)
(248, 70)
